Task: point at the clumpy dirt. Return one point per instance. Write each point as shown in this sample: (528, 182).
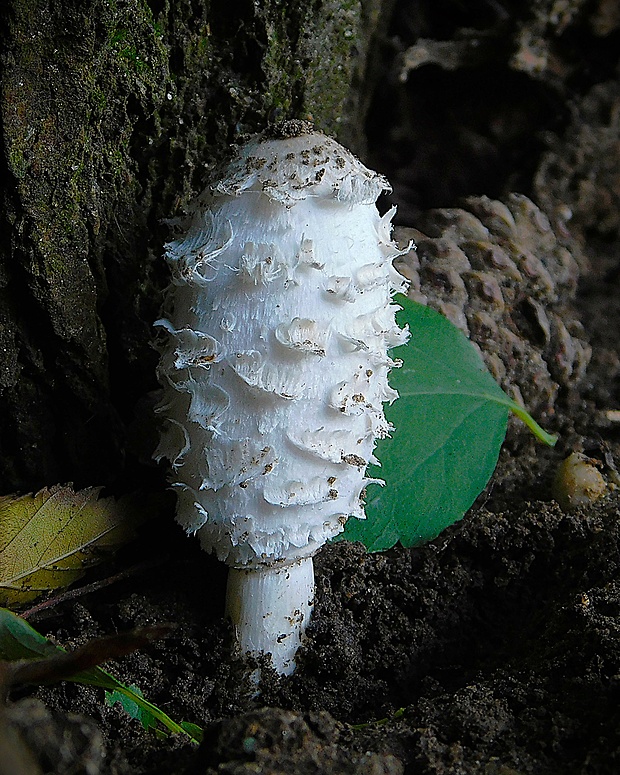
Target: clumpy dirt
(495, 649)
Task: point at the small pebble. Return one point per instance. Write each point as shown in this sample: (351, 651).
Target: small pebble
(578, 482)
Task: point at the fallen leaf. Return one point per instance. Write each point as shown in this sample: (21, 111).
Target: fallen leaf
(449, 425)
(48, 539)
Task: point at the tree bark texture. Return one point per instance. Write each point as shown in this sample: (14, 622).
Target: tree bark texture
(113, 115)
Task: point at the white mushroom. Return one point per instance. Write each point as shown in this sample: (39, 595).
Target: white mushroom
(274, 367)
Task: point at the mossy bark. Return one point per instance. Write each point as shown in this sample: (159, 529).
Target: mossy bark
(112, 116)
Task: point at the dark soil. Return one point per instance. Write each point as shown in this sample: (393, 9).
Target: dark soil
(495, 649)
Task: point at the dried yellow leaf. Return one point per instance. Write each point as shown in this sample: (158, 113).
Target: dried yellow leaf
(47, 539)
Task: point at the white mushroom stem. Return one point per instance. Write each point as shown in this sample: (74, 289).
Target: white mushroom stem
(275, 364)
(269, 609)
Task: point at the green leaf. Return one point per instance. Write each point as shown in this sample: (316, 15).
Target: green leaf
(449, 425)
(133, 703)
(147, 713)
(20, 641)
(131, 707)
(193, 730)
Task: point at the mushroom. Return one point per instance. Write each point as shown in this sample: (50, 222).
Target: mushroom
(274, 364)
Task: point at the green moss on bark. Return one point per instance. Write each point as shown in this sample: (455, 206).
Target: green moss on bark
(114, 115)
(70, 101)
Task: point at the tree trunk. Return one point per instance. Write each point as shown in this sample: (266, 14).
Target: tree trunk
(114, 115)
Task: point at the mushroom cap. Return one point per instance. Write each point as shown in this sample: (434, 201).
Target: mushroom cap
(275, 356)
(296, 164)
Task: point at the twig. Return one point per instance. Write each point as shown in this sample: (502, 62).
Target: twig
(73, 594)
(64, 665)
